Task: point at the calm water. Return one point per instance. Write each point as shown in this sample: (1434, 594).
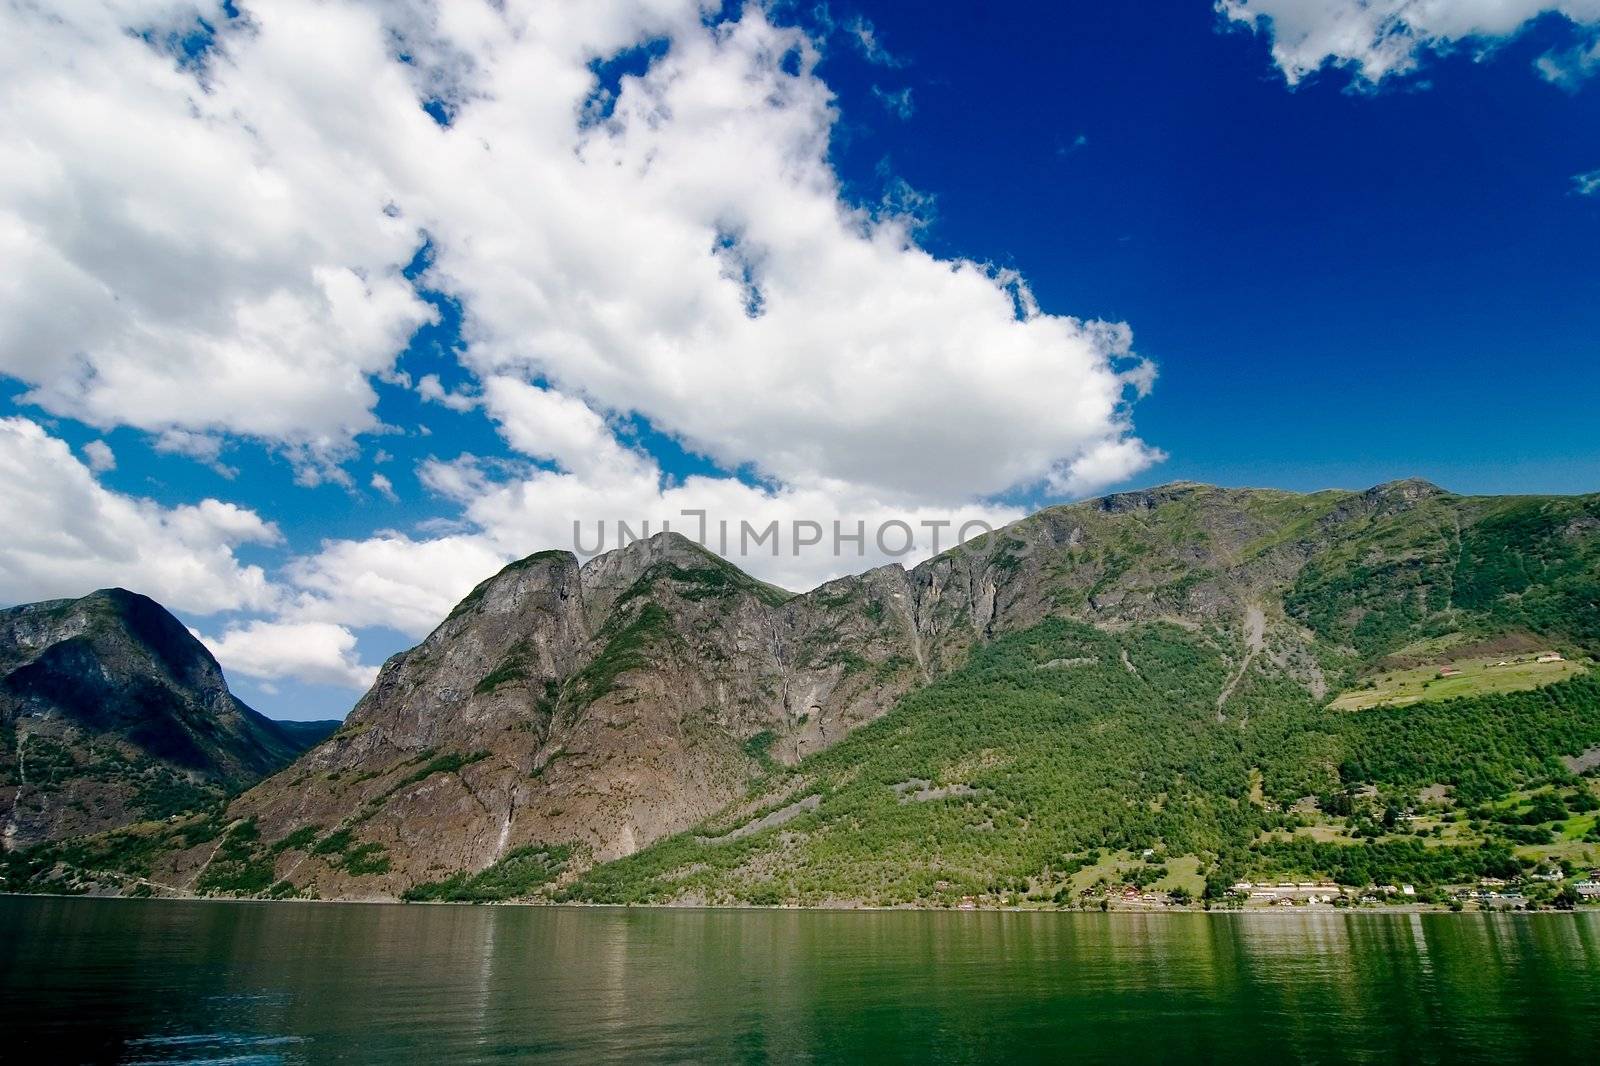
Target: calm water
(157, 981)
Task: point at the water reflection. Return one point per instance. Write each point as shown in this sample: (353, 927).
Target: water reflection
(162, 981)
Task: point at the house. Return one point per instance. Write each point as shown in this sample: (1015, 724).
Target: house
(1550, 657)
(1449, 671)
(1587, 889)
(1407, 890)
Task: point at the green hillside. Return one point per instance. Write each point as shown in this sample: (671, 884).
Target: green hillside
(1059, 747)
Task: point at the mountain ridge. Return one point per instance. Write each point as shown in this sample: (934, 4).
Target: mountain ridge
(569, 715)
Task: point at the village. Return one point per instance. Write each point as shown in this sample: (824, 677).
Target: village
(1546, 888)
(1542, 659)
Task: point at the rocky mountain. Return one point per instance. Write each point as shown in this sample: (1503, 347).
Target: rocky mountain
(112, 712)
(1153, 667)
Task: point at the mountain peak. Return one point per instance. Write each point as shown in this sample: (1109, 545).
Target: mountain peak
(1405, 490)
(1146, 499)
(116, 687)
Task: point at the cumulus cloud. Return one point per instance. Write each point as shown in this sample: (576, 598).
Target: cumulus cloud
(432, 390)
(390, 579)
(1376, 39)
(69, 535)
(315, 652)
(562, 429)
(101, 457)
(691, 259)
(384, 487)
(1587, 184)
(202, 447)
(201, 243)
(192, 242)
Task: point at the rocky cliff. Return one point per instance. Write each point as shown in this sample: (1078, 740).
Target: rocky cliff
(112, 712)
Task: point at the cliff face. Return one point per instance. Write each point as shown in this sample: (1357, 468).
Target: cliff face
(112, 712)
(602, 707)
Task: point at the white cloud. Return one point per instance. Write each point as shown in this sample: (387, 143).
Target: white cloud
(314, 652)
(391, 580)
(384, 487)
(432, 391)
(202, 447)
(101, 457)
(202, 249)
(690, 259)
(68, 535)
(560, 429)
(1587, 184)
(219, 250)
(1105, 464)
(1376, 39)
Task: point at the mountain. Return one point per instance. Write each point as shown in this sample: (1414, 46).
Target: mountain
(1145, 688)
(307, 734)
(112, 712)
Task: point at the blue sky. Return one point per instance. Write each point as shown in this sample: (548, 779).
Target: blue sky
(1340, 287)
(1381, 269)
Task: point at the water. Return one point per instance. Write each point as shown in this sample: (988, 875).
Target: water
(162, 981)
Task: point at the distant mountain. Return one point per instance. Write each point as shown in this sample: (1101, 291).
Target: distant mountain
(112, 712)
(1152, 677)
(307, 734)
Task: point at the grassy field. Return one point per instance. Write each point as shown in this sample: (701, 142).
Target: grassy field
(1482, 675)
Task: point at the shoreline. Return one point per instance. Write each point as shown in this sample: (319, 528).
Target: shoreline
(1273, 912)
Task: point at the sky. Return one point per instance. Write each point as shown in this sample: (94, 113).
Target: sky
(316, 314)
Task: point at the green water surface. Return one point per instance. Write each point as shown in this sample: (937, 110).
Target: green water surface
(159, 981)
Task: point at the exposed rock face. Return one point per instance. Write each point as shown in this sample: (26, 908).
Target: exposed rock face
(110, 712)
(603, 707)
(608, 705)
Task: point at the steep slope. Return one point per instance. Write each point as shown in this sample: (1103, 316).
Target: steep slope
(595, 708)
(1151, 668)
(112, 712)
